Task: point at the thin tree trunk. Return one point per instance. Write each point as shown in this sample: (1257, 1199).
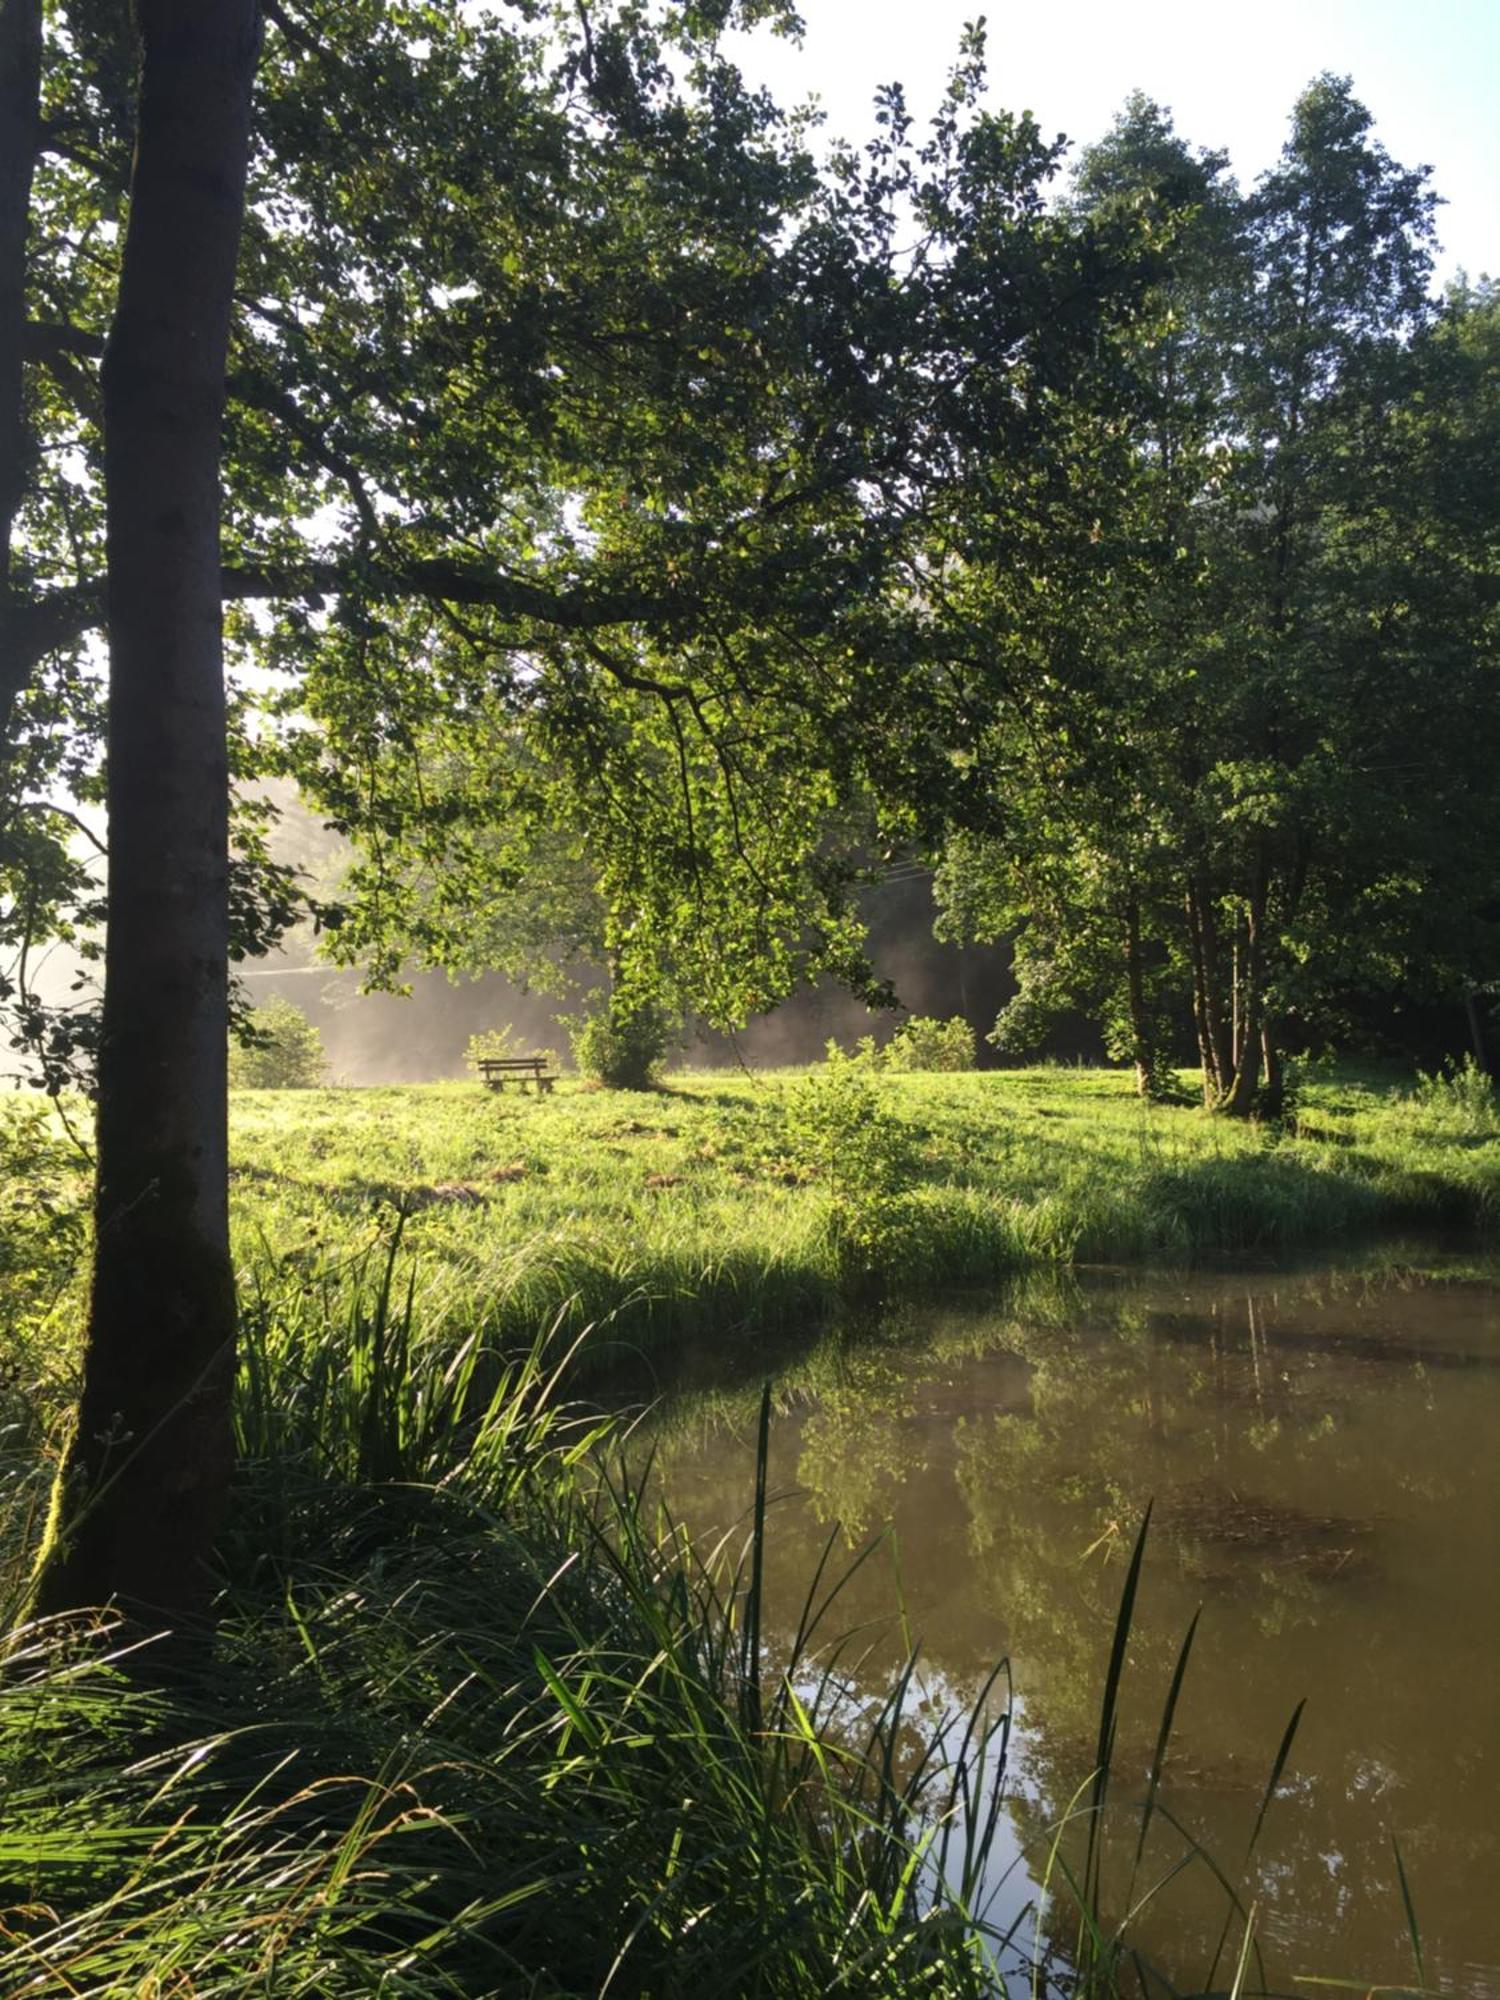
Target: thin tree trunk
(1273, 1089)
(1142, 1052)
(1213, 1029)
(1200, 996)
(1250, 1007)
(1237, 1006)
(1490, 1064)
(140, 1496)
(20, 101)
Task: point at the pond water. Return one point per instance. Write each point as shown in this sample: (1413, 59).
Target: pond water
(1322, 1451)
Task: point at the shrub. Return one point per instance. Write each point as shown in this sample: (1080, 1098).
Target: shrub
(1459, 1098)
(622, 1046)
(279, 1049)
(490, 1044)
(841, 1133)
(924, 1042)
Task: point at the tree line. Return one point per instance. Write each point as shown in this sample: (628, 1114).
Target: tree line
(1252, 782)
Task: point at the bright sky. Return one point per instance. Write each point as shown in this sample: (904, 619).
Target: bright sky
(1429, 73)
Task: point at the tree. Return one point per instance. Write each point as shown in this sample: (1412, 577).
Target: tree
(1232, 776)
(1070, 850)
(279, 1049)
(139, 1497)
(701, 775)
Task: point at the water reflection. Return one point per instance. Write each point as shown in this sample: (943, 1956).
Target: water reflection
(1321, 1454)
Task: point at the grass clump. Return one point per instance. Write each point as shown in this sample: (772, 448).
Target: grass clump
(1460, 1100)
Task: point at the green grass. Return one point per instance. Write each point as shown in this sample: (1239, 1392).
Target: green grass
(702, 1210)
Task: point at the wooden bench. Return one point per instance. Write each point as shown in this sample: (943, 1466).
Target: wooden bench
(498, 1071)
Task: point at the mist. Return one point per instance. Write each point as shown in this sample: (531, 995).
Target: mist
(420, 1036)
(376, 1038)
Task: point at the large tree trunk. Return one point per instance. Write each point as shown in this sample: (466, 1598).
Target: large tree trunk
(140, 1496)
(20, 97)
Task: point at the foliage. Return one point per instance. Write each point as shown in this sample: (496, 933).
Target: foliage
(622, 1042)
(922, 1042)
(43, 1228)
(1461, 1097)
(1243, 786)
(279, 1049)
(841, 1134)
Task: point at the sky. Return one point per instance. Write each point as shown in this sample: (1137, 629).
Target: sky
(1429, 73)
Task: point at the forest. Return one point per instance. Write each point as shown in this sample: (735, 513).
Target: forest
(616, 524)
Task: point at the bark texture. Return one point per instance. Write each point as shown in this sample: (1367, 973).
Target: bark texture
(140, 1497)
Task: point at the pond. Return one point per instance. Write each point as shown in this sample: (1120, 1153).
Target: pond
(1322, 1454)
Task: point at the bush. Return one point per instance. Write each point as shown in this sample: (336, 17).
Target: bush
(620, 1046)
(279, 1049)
(1459, 1098)
(924, 1042)
(840, 1133)
(490, 1044)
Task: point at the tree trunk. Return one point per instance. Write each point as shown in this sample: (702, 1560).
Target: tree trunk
(1272, 1103)
(1143, 1054)
(1213, 1028)
(1236, 1005)
(1487, 1060)
(1250, 1002)
(1218, 1024)
(1206, 1055)
(140, 1495)
(20, 100)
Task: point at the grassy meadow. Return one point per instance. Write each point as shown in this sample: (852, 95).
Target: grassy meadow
(727, 1205)
(479, 1722)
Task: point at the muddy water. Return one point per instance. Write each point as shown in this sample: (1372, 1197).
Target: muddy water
(1322, 1451)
